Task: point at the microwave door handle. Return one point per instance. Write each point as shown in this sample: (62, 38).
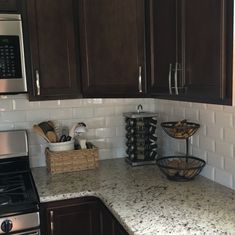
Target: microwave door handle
(38, 82)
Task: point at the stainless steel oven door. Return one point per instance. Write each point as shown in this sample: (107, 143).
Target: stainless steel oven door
(19, 223)
(33, 232)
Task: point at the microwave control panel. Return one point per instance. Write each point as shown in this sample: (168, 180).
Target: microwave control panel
(10, 65)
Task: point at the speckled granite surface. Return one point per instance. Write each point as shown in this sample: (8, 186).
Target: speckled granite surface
(144, 201)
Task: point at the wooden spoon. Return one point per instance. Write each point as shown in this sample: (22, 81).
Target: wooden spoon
(51, 135)
(40, 132)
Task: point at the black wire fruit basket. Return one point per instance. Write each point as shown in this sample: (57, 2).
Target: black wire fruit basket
(181, 168)
(181, 129)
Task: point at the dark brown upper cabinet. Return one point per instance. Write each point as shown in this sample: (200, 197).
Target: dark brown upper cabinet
(54, 49)
(10, 6)
(190, 50)
(112, 42)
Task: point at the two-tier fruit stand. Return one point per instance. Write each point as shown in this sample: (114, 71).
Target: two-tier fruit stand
(181, 168)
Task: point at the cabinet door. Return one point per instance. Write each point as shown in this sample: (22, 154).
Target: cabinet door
(53, 49)
(195, 35)
(10, 6)
(112, 47)
(109, 224)
(81, 218)
(163, 44)
(205, 45)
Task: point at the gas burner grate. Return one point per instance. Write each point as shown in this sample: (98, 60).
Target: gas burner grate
(13, 187)
(5, 200)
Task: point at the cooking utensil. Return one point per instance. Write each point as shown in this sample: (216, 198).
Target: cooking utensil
(51, 135)
(46, 126)
(40, 132)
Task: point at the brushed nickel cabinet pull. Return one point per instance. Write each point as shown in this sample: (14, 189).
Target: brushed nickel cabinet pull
(140, 79)
(170, 86)
(38, 82)
(176, 79)
(52, 222)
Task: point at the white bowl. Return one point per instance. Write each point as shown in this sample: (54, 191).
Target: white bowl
(61, 146)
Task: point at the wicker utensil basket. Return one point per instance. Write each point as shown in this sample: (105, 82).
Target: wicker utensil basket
(72, 160)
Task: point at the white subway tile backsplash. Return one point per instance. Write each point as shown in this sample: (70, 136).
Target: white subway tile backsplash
(13, 116)
(82, 112)
(214, 142)
(229, 135)
(104, 111)
(6, 105)
(214, 107)
(120, 131)
(104, 119)
(229, 165)
(61, 114)
(224, 119)
(38, 115)
(208, 172)
(206, 143)
(224, 149)
(215, 160)
(199, 106)
(214, 131)
(105, 154)
(94, 123)
(224, 178)
(207, 116)
(114, 121)
(7, 126)
(179, 112)
(197, 152)
(52, 104)
(192, 115)
(23, 104)
(105, 132)
(119, 110)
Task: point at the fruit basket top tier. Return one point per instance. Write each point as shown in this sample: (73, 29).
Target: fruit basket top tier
(181, 129)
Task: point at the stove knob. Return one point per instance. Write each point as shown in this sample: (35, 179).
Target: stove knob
(6, 226)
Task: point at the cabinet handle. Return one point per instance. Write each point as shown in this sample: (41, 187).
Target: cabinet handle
(38, 82)
(52, 222)
(170, 86)
(140, 79)
(176, 79)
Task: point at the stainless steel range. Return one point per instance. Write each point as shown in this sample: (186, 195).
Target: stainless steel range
(19, 202)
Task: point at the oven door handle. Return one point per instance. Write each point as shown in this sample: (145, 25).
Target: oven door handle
(32, 232)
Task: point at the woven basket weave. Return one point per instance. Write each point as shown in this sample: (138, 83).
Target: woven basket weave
(73, 160)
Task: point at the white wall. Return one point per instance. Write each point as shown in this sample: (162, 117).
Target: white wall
(102, 116)
(214, 142)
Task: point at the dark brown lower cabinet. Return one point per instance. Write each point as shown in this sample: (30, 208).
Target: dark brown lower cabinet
(80, 216)
(109, 224)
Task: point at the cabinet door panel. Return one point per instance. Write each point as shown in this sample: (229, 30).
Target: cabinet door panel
(112, 44)
(80, 219)
(9, 6)
(204, 47)
(163, 43)
(53, 47)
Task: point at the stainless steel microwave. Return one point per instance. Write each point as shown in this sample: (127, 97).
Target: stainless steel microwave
(12, 61)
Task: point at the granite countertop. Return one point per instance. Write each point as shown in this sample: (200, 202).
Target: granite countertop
(144, 201)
